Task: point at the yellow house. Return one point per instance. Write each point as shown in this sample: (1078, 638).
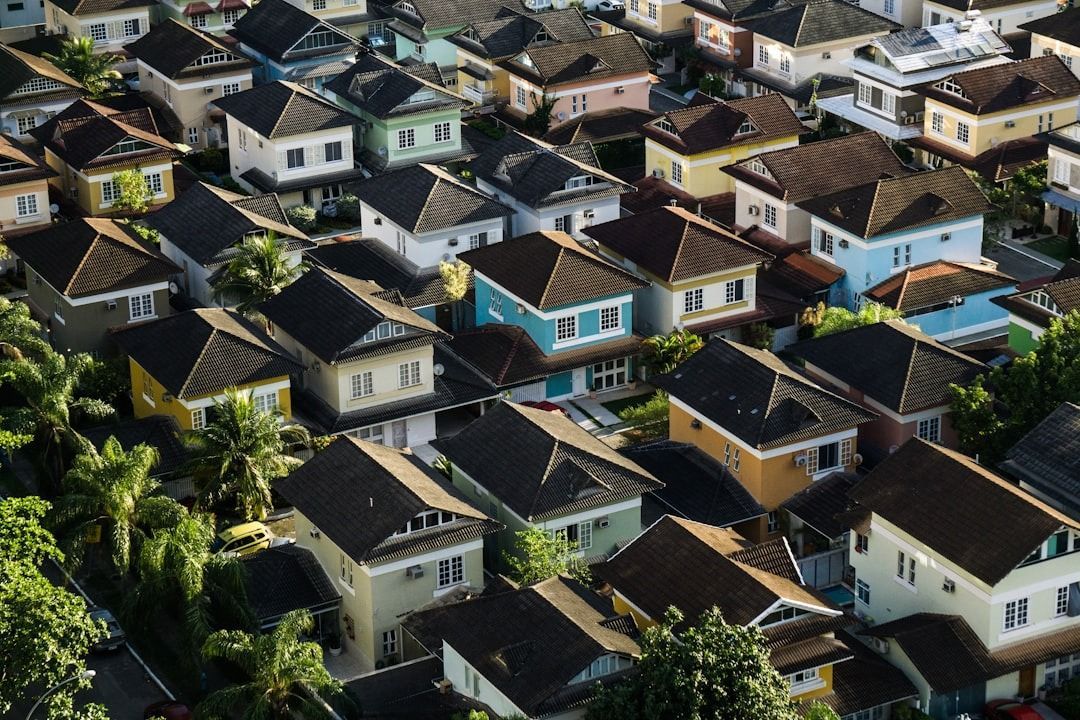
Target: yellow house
(182, 364)
(89, 142)
(974, 118)
(687, 147)
(775, 431)
(655, 23)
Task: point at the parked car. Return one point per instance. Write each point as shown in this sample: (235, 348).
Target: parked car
(115, 637)
(243, 539)
(168, 710)
(1010, 710)
(606, 5)
(545, 405)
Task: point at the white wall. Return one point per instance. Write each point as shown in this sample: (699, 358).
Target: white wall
(248, 149)
(792, 223)
(428, 249)
(527, 220)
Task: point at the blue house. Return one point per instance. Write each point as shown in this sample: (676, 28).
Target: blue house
(554, 320)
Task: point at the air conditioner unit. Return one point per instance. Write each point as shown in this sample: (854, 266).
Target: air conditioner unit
(520, 309)
(452, 242)
(414, 572)
(166, 397)
(919, 116)
(620, 90)
(844, 243)
(826, 55)
(800, 460)
(946, 237)
(753, 210)
(658, 173)
(1010, 123)
(603, 522)
(208, 91)
(948, 586)
(589, 214)
(110, 304)
(689, 20)
(314, 532)
(909, 120)
(880, 645)
(378, 221)
(857, 459)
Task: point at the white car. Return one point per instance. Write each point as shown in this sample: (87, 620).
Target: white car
(607, 5)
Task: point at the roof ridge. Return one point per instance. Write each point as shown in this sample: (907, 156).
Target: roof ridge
(873, 204)
(551, 278)
(547, 470)
(427, 201)
(202, 353)
(284, 110)
(83, 261)
(515, 343)
(679, 249)
(907, 375)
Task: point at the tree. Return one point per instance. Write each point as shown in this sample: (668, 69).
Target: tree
(455, 277)
(834, 319)
(132, 191)
(664, 353)
(712, 671)
(79, 60)
(113, 490)
(538, 121)
(650, 419)
(20, 334)
(259, 271)
(545, 555)
(820, 711)
(286, 676)
(1019, 199)
(240, 451)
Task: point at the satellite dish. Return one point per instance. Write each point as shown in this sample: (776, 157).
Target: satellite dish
(382, 151)
(174, 289)
(562, 115)
(54, 209)
(438, 369)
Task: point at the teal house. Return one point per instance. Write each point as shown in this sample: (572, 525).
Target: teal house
(421, 28)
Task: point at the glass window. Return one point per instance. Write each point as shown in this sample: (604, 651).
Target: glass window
(294, 158)
(585, 535)
(362, 385)
(389, 638)
(825, 242)
(1061, 601)
(406, 138)
(676, 171)
(141, 306)
(937, 122)
(703, 30)
(230, 88)
(265, 402)
(442, 132)
(862, 591)
(451, 571)
(736, 460)
(409, 374)
(785, 63)
(693, 300)
(332, 152)
(197, 21)
(888, 102)
(495, 302)
(98, 32)
(346, 569)
(763, 55)
(519, 96)
(773, 518)
(131, 27)
(734, 291)
(373, 434)
(865, 93)
(26, 124)
(1016, 614)
(769, 216)
(198, 417)
(155, 183)
(930, 429)
(652, 11)
(26, 205)
(610, 318)
(962, 132)
(566, 328)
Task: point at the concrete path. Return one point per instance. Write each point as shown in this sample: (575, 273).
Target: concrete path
(598, 412)
(426, 453)
(583, 420)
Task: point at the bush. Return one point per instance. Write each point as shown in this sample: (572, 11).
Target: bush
(104, 380)
(650, 419)
(302, 217)
(211, 160)
(348, 207)
(232, 186)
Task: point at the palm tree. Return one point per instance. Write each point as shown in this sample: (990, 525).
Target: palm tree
(94, 71)
(664, 353)
(113, 489)
(240, 451)
(286, 676)
(258, 272)
(20, 334)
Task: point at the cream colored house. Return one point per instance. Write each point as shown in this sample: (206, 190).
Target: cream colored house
(1057, 34)
(32, 90)
(110, 23)
(1005, 17)
(24, 189)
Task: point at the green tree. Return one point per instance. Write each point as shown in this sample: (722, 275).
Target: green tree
(664, 353)
(1019, 199)
(455, 278)
(113, 490)
(820, 711)
(94, 70)
(543, 555)
(712, 671)
(240, 451)
(650, 419)
(259, 271)
(834, 319)
(132, 191)
(538, 121)
(20, 334)
(286, 675)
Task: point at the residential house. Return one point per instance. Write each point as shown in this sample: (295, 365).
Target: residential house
(580, 76)
(815, 523)
(406, 116)
(182, 364)
(722, 34)
(549, 187)
(804, 50)
(216, 18)
(1062, 197)
(162, 433)
(660, 26)
(186, 70)
(887, 70)
(111, 24)
(390, 532)
(1044, 460)
(421, 28)
(355, 17)
(290, 44)
(88, 275)
(202, 228)
(601, 127)
(983, 119)
(482, 46)
(372, 368)
(24, 188)
(541, 651)
(1004, 16)
(284, 578)
(538, 469)
(898, 372)
(285, 139)
(31, 91)
(89, 142)
(769, 186)
(429, 215)
(554, 320)
(19, 21)
(1057, 34)
(687, 147)
(970, 614)
(775, 430)
(1032, 308)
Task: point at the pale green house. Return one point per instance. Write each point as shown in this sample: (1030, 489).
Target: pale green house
(1033, 309)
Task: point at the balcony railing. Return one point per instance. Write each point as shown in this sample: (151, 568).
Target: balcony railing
(477, 95)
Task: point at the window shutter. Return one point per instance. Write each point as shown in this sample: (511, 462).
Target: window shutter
(346, 149)
(319, 152)
(282, 161)
(483, 239)
(811, 461)
(135, 26)
(845, 453)
(309, 156)
(748, 288)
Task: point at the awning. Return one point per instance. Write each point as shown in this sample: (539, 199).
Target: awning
(197, 8)
(1062, 200)
(233, 5)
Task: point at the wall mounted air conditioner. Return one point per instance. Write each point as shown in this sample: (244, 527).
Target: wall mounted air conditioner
(658, 173)
(603, 522)
(799, 460)
(948, 586)
(414, 572)
(753, 210)
(110, 304)
(880, 645)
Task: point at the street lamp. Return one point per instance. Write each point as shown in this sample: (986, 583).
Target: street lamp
(84, 675)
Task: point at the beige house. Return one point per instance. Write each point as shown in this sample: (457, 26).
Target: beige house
(110, 23)
(24, 188)
(32, 90)
(1004, 16)
(1057, 34)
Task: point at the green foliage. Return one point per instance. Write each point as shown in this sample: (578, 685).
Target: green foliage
(713, 84)
(545, 555)
(455, 278)
(348, 207)
(78, 59)
(712, 671)
(132, 191)
(820, 711)
(104, 380)
(491, 130)
(650, 418)
(760, 336)
(321, 442)
(147, 233)
(444, 467)
(1019, 199)
(211, 160)
(829, 320)
(907, 712)
(20, 334)
(538, 121)
(302, 217)
(664, 353)
(258, 272)
(471, 715)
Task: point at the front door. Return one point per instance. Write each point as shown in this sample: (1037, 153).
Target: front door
(579, 382)
(1027, 682)
(399, 434)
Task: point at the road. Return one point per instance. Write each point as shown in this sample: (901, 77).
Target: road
(120, 685)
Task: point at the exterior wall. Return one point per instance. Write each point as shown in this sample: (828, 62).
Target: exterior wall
(1063, 169)
(903, 101)
(1070, 54)
(499, 83)
(987, 131)
(385, 133)
(527, 219)
(189, 99)
(429, 249)
(13, 16)
(662, 16)
(701, 172)
(85, 189)
(437, 50)
(467, 681)
(119, 26)
(975, 315)
(792, 223)
(1004, 20)
(1023, 337)
(12, 108)
(10, 222)
(906, 12)
(573, 99)
(830, 58)
(720, 39)
(196, 277)
(215, 23)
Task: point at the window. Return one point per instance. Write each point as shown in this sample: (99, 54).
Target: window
(193, 136)
(1016, 614)
(155, 183)
(26, 124)
(888, 102)
(15, 7)
(495, 303)
(652, 11)
(610, 318)
(609, 374)
(406, 138)
(230, 16)
(734, 291)
(141, 306)
(727, 454)
(442, 132)
(389, 638)
(890, 7)
(905, 567)
(26, 205)
(693, 300)
(361, 385)
(198, 418)
(346, 569)
(519, 97)
(865, 93)
(862, 543)
(108, 191)
(962, 132)
(736, 460)
(451, 571)
(98, 32)
(1061, 602)
(773, 518)
(566, 328)
(937, 122)
(584, 538)
(564, 223)
(332, 151)
(373, 434)
(197, 21)
(229, 89)
(676, 172)
(319, 39)
(769, 216)
(763, 55)
(478, 240)
(318, 4)
(265, 402)
(635, 7)
(825, 242)
(901, 255)
(666, 126)
(827, 457)
(703, 30)
(1062, 171)
(409, 374)
(785, 63)
(862, 591)
(929, 429)
(294, 158)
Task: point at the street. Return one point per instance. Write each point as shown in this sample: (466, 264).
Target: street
(120, 685)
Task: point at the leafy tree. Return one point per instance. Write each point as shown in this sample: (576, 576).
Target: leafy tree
(664, 353)
(240, 451)
(113, 490)
(538, 121)
(283, 673)
(20, 334)
(1019, 199)
(760, 336)
(455, 277)
(94, 70)
(829, 320)
(712, 671)
(303, 217)
(820, 711)
(545, 555)
(132, 191)
(650, 419)
(259, 271)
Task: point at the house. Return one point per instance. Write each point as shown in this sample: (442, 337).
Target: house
(284, 578)
(407, 116)
(201, 229)
(775, 430)
(162, 433)
(722, 34)
(701, 277)
(769, 186)
(1062, 197)
(285, 139)
(111, 24)
(1057, 34)
(186, 70)
(290, 44)
(660, 26)
(24, 188)
(972, 117)
(20, 23)
(215, 18)
(554, 320)
(538, 469)
(390, 532)
(804, 50)
(1044, 460)
(887, 70)
(1005, 17)
(549, 187)
(31, 91)
(1032, 308)
(372, 368)
(182, 364)
(481, 46)
(355, 17)
(579, 76)
(89, 142)
(428, 215)
(543, 648)
(688, 146)
(601, 127)
(816, 527)
(89, 275)
(898, 372)
(970, 614)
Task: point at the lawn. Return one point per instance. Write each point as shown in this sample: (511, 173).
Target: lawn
(617, 406)
(1055, 246)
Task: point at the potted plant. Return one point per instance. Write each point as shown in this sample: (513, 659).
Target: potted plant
(592, 392)
(334, 643)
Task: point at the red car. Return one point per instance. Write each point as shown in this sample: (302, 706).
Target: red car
(544, 405)
(1010, 710)
(168, 710)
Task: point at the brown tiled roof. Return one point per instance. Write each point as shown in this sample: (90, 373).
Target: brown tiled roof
(709, 126)
(31, 166)
(803, 273)
(591, 59)
(942, 499)
(92, 255)
(549, 269)
(1063, 289)
(171, 49)
(933, 283)
(94, 7)
(282, 109)
(18, 67)
(866, 682)
(654, 192)
(821, 504)
(996, 164)
(601, 126)
(810, 653)
(999, 87)
(674, 244)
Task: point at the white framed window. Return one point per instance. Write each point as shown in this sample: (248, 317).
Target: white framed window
(155, 183)
(937, 122)
(346, 569)
(866, 92)
(495, 303)
(409, 374)
(333, 151)
(265, 402)
(389, 638)
(727, 454)
(141, 306)
(676, 172)
(905, 567)
(361, 384)
(828, 456)
(109, 191)
(561, 224)
(98, 32)
(888, 102)
(318, 5)
(768, 217)
(890, 7)
(635, 7)
(197, 21)
(193, 136)
(1061, 601)
(785, 63)
(26, 205)
(610, 318)
(1016, 614)
(373, 434)
(963, 133)
(862, 591)
(763, 55)
(442, 132)
(736, 459)
(451, 571)
(406, 138)
(693, 300)
(478, 240)
(734, 291)
(1062, 171)
(825, 242)
(704, 29)
(929, 429)
(609, 374)
(901, 255)
(198, 417)
(294, 158)
(26, 124)
(230, 16)
(230, 89)
(519, 97)
(566, 328)
(652, 11)
(584, 540)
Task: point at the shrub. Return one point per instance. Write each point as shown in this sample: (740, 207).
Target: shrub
(211, 160)
(302, 217)
(348, 207)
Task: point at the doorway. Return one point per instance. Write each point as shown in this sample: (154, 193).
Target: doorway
(579, 382)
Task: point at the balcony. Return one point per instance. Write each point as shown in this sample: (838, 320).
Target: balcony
(478, 95)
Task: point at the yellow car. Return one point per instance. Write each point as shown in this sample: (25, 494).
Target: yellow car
(242, 539)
